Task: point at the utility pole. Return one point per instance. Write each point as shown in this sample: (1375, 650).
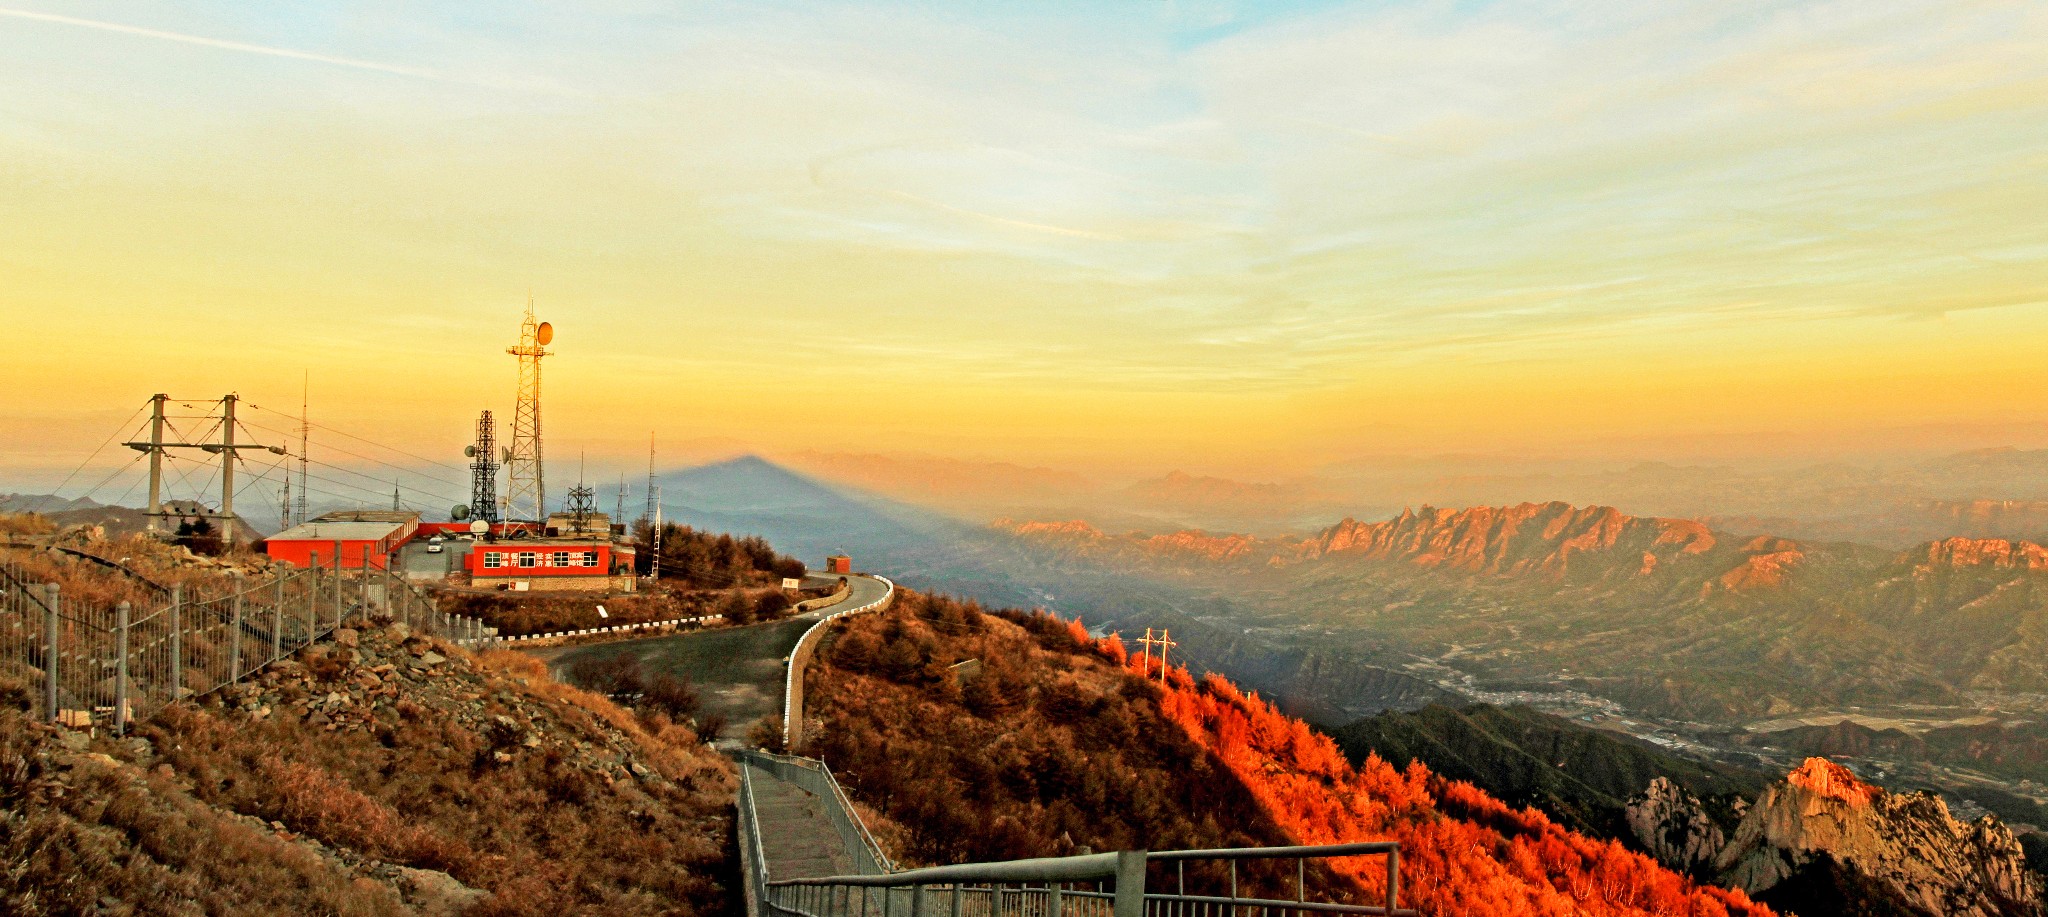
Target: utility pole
(1165, 643)
(1162, 642)
(305, 434)
(155, 447)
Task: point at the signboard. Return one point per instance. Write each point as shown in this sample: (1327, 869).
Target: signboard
(788, 583)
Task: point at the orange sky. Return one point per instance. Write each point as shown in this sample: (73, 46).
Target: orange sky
(1232, 239)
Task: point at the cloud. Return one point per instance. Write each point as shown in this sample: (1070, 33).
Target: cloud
(243, 47)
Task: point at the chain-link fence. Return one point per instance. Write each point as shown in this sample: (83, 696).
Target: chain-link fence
(90, 664)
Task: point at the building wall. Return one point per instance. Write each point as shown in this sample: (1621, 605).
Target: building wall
(309, 553)
(609, 583)
(545, 561)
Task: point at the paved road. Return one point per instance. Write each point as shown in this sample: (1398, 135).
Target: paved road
(738, 671)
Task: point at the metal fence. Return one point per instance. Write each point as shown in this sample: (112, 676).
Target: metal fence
(1228, 882)
(89, 664)
(1075, 887)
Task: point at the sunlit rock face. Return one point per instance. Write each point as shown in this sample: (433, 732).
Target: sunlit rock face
(1824, 835)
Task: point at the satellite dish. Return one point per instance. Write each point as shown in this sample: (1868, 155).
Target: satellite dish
(460, 512)
(479, 527)
(508, 453)
(545, 335)
(469, 452)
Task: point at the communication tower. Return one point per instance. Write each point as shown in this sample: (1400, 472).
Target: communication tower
(483, 471)
(305, 437)
(526, 492)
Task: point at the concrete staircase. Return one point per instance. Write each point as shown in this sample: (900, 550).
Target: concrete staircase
(798, 840)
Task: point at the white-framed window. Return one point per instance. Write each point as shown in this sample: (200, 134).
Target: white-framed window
(590, 558)
(561, 559)
(493, 560)
(529, 558)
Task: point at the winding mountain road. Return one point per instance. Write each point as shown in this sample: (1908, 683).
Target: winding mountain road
(739, 672)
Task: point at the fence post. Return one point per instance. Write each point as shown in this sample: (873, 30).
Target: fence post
(1393, 877)
(312, 602)
(337, 583)
(235, 631)
(277, 622)
(1130, 883)
(50, 599)
(177, 643)
(121, 613)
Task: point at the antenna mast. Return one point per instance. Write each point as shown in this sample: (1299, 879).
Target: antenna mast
(483, 471)
(526, 493)
(305, 434)
(653, 516)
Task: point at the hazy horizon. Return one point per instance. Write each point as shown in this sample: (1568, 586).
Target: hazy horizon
(1249, 240)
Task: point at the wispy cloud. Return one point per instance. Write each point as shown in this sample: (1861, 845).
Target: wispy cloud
(222, 44)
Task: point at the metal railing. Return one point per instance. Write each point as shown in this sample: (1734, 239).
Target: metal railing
(1049, 887)
(799, 656)
(92, 664)
(1073, 887)
(814, 777)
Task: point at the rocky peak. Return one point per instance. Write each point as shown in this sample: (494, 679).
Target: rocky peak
(1832, 781)
(1550, 538)
(1822, 830)
(1062, 530)
(1979, 552)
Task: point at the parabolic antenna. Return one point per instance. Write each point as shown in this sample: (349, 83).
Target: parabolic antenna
(508, 453)
(469, 452)
(479, 527)
(545, 334)
(459, 512)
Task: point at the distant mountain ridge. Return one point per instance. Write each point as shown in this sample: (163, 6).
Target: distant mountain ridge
(1663, 615)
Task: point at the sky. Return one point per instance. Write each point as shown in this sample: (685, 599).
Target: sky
(1242, 238)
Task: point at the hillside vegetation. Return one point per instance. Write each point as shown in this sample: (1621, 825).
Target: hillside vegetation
(1058, 728)
(388, 774)
(1582, 777)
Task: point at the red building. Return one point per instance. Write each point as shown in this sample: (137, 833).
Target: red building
(358, 536)
(592, 564)
(839, 563)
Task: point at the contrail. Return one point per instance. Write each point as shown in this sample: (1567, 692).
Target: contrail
(218, 43)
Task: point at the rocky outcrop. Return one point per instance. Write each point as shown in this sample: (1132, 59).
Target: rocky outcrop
(1824, 841)
(1979, 552)
(1673, 826)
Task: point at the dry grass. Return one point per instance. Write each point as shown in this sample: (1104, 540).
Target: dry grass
(79, 830)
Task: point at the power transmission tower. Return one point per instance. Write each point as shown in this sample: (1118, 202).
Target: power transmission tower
(526, 493)
(483, 471)
(619, 509)
(228, 450)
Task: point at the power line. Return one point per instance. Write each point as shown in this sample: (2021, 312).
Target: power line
(424, 494)
(59, 489)
(331, 448)
(372, 442)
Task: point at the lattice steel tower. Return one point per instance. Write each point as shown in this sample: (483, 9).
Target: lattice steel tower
(526, 491)
(483, 471)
